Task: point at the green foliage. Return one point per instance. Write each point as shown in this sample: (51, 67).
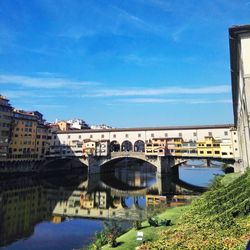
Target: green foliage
(219, 219)
(108, 235)
(137, 224)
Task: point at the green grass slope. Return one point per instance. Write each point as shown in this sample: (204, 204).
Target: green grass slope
(219, 219)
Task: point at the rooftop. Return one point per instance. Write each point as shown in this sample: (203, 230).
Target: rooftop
(148, 129)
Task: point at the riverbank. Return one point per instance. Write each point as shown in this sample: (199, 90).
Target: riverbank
(219, 219)
(128, 240)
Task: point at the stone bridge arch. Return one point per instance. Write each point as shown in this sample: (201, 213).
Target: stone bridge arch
(164, 165)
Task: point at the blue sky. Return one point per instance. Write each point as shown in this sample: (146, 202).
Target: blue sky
(123, 63)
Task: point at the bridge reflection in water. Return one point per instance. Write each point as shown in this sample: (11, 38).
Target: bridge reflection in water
(125, 193)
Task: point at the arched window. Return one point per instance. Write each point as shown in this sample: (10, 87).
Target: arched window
(139, 146)
(127, 146)
(115, 146)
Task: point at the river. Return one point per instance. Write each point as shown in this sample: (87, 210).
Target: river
(64, 211)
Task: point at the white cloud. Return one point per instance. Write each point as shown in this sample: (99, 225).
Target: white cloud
(220, 89)
(52, 82)
(185, 101)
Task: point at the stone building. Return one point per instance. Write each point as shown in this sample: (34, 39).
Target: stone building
(5, 126)
(239, 38)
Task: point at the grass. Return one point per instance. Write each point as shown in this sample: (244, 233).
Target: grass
(228, 178)
(128, 240)
(219, 219)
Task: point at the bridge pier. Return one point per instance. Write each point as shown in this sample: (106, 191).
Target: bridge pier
(165, 184)
(208, 162)
(166, 166)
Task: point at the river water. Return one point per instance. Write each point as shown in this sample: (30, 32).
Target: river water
(64, 211)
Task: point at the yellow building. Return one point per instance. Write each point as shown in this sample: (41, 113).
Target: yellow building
(30, 137)
(178, 141)
(63, 125)
(209, 147)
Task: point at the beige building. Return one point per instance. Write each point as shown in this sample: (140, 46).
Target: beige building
(5, 126)
(43, 137)
(30, 136)
(132, 137)
(156, 146)
(239, 37)
(63, 125)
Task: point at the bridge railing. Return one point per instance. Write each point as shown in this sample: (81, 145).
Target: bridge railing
(127, 154)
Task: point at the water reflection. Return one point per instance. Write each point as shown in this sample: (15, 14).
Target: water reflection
(125, 193)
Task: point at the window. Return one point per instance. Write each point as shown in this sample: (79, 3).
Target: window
(139, 135)
(201, 152)
(126, 135)
(225, 133)
(180, 134)
(210, 134)
(194, 134)
(235, 140)
(68, 136)
(114, 135)
(209, 152)
(80, 137)
(166, 134)
(91, 136)
(152, 135)
(102, 136)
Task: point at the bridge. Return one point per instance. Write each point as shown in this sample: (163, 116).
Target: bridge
(164, 165)
(214, 142)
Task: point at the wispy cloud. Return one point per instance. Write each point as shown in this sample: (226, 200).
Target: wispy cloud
(221, 89)
(175, 101)
(49, 106)
(137, 22)
(176, 35)
(43, 82)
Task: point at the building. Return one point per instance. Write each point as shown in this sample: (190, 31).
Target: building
(209, 147)
(179, 141)
(5, 126)
(63, 125)
(189, 148)
(239, 39)
(78, 124)
(100, 126)
(29, 140)
(43, 137)
(156, 147)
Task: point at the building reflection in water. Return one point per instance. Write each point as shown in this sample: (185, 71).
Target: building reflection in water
(125, 193)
